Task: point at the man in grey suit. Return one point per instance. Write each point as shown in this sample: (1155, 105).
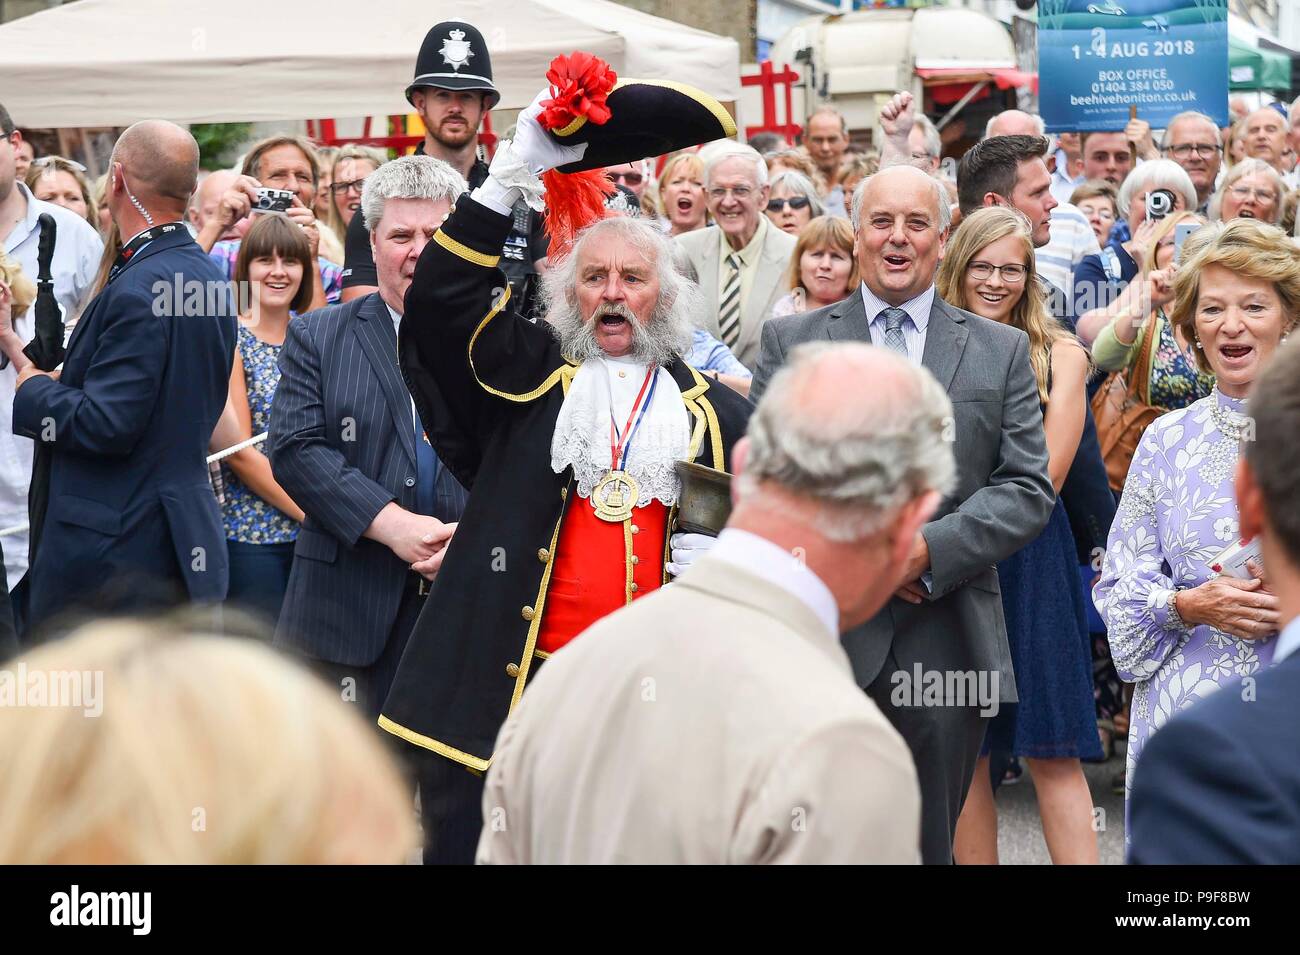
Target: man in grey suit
(346, 444)
(742, 259)
(936, 659)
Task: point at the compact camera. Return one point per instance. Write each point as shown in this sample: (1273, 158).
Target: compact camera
(1159, 203)
(279, 200)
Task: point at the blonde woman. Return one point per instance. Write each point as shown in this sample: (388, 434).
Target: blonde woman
(173, 746)
(989, 269)
(1174, 377)
(1178, 629)
(681, 194)
(64, 183)
(823, 269)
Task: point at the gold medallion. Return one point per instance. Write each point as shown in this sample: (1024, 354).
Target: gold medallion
(614, 497)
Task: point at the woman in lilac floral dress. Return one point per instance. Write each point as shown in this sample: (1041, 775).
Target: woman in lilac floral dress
(1178, 631)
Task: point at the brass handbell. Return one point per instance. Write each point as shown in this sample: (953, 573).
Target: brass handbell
(705, 501)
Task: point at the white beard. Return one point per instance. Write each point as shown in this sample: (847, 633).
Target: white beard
(582, 441)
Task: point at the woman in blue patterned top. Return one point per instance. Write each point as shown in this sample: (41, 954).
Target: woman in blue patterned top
(261, 519)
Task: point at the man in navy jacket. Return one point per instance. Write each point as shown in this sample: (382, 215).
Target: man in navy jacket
(131, 521)
(1220, 784)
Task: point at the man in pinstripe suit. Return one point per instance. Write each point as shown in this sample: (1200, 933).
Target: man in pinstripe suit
(347, 445)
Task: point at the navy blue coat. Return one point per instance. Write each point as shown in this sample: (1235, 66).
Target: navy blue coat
(342, 444)
(126, 428)
(1220, 784)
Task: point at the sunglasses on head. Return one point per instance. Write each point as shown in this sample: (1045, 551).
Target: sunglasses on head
(630, 178)
(796, 202)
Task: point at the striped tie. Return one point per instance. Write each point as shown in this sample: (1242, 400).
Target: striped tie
(894, 339)
(729, 310)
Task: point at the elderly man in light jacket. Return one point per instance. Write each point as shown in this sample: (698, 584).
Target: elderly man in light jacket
(717, 720)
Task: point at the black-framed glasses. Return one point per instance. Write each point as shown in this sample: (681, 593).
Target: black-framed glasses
(795, 202)
(1202, 150)
(341, 188)
(627, 178)
(1011, 274)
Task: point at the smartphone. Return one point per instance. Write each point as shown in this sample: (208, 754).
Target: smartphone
(1181, 232)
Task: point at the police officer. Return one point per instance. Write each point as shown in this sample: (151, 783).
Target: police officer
(451, 91)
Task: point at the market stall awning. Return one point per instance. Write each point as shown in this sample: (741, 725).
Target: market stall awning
(1006, 78)
(1254, 68)
(112, 62)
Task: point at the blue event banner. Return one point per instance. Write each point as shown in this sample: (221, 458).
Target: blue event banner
(1096, 58)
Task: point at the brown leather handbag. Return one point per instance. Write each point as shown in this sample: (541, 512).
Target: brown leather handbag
(1121, 412)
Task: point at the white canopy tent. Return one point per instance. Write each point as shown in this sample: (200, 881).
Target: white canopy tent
(113, 62)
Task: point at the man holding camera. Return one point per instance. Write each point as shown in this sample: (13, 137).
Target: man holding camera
(452, 91)
(280, 174)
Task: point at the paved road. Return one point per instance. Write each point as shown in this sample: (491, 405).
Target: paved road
(1020, 833)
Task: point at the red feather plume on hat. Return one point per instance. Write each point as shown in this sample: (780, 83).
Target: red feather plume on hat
(579, 85)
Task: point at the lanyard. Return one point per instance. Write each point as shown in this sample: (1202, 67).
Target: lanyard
(619, 449)
(139, 242)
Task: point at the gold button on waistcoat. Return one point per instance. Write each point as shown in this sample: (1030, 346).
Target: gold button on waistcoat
(543, 554)
(635, 529)
(528, 613)
(632, 587)
(635, 560)
(512, 670)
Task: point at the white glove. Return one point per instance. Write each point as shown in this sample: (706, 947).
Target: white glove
(513, 174)
(686, 550)
(537, 148)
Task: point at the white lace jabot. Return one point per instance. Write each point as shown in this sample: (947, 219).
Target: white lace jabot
(581, 439)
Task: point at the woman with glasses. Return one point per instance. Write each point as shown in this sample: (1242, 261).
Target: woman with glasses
(1252, 189)
(347, 176)
(64, 183)
(1098, 202)
(988, 268)
(792, 202)
(823, 269)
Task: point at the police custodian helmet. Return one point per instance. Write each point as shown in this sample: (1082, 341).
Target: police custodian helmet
(453, 56)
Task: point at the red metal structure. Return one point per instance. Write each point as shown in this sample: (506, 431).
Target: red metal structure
(324, 131)
(768, 78)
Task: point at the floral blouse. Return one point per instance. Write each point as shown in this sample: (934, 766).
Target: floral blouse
(248, 518)
(1177, 513)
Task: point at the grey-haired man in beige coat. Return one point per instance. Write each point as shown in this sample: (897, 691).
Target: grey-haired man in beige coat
(717, 720)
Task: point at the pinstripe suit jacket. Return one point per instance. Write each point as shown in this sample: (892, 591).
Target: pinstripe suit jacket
(342, 444)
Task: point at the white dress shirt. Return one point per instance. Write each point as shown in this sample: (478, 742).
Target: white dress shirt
(77, 252)
(1288, 642)
(781, 569)
(918, 311)
(415, 415)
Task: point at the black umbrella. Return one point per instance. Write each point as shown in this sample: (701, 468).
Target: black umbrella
(46, 347)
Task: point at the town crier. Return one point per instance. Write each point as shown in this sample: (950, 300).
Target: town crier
(566, 432)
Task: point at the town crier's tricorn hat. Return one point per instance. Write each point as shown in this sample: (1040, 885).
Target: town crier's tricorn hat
(453, 56)
(625, 120)
(620, 121)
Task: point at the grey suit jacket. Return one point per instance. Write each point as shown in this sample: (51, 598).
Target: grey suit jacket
(1001, 502)
(703, 248)
(342, 444)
